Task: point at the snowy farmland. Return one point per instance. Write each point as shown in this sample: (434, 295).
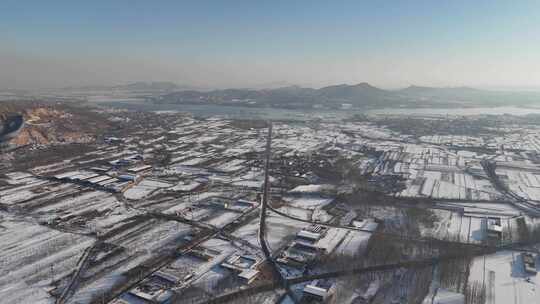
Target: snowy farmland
(171, 205)
(505, 278)
(33, 257)
(436, 173)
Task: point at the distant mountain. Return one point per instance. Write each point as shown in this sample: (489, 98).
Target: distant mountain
(25, 122)
(358, 95)
(362, 93)
(466, 96)
(291, 96)
(419, 90)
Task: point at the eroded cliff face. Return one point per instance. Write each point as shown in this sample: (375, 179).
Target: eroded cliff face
(49, 124)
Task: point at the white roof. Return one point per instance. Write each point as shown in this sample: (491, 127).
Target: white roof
(99, 179)
(492, 225)
(311, 188)
(248, 274)
(314, 290)
(309, 235)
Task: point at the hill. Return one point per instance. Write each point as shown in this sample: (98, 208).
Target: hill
(358, 95)
(292, 96)
(46, 123)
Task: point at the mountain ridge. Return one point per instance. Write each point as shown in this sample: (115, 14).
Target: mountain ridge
(361, 94)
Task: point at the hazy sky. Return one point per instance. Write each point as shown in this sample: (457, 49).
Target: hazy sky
(244, 43)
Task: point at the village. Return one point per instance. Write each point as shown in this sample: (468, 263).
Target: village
(167, 209)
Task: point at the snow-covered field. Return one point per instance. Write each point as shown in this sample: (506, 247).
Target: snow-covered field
(279, 231)
(144, 188)
(309, 202)
(212, 163)
(505, 279)
(32, 256)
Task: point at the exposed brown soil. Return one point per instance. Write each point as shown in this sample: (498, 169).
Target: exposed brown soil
(48, 123)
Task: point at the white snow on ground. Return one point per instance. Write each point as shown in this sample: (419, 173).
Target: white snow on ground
(112, 219)
(448, 297)
(210, 279)
(154, 239)
(454, 225)
(280, 230)
(451, 225)
(307, 202)
(523, 183)
(311, 188)
(438, 295)
(485, 208)
(16, 195)
(472, 229)
(182, 204)
(510, 282)
(209, 274)
(251, 179)
(320, 215)
(231, 166)
(142, 242)
(18, 175)
(354, 243)
(137, 193)
(248, 232)
(430, 171)
(91, 200)
(223, 219)
(94, 290)
(185, 186)
(249, 183)
(145, 188)
(22, 293)
(27, 253)
(296, 212)
(332, 238)
(193, 162)
(445, 296)
(178, 207)
(154, 183)
(442, 225)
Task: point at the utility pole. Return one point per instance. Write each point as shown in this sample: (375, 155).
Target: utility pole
(52, 274)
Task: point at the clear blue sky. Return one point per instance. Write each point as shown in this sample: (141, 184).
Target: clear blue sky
(247, 43)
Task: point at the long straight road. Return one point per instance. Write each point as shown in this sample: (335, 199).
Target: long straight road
(278, 277)
(264, 201)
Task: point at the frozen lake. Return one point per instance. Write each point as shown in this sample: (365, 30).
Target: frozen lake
(290, 114)
(457, 111)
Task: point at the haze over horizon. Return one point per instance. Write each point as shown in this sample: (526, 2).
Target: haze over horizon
(217, 44)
